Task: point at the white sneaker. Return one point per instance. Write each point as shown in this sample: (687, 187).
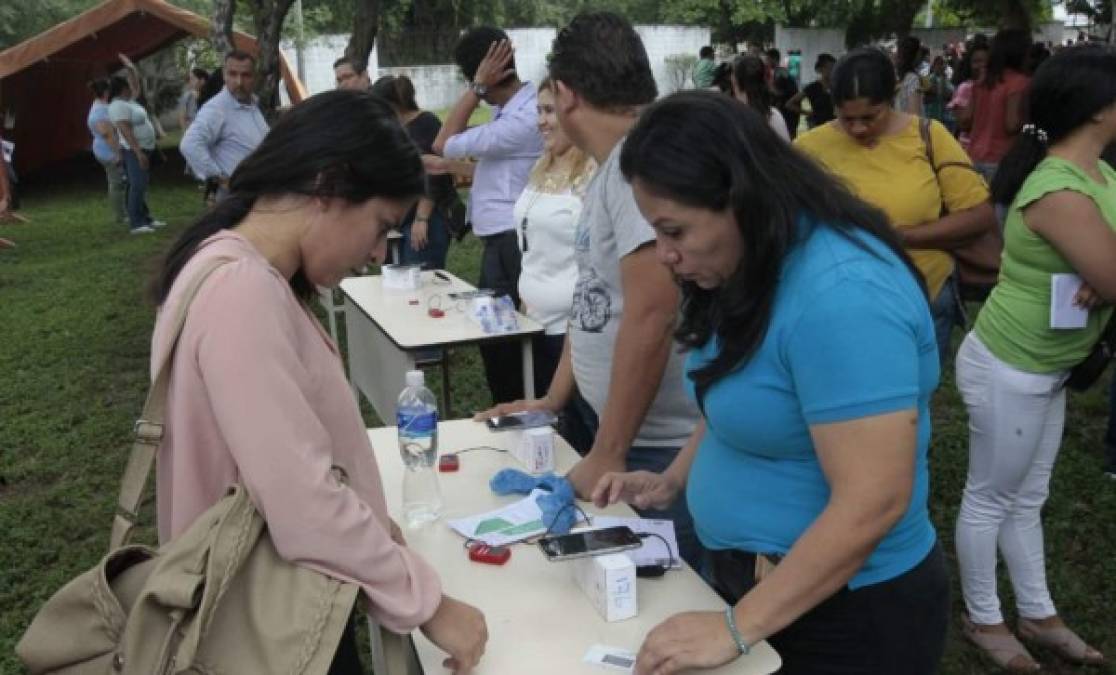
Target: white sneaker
(143, 229)
(157, 224)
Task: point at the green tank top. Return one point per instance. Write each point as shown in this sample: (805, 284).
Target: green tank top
(1015, 321)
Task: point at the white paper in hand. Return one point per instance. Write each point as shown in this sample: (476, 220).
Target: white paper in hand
(1064, 314)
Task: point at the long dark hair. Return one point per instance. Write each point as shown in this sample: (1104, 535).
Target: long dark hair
(344, 144)
(964, 71)
(1067, 90)
(1008, 52)
(866, 72)
(709, 151)
(750, 75)
(398, 90)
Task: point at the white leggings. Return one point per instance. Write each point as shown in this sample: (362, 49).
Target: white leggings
(1015, 430)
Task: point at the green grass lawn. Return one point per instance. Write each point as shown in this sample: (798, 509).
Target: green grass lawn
(74, 339)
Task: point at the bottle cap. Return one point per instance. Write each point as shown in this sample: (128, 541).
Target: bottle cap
(416, 378)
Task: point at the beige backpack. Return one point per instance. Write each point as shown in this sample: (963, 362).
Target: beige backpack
(217, 599)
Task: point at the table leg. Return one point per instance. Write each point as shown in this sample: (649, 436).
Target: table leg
(528, 369)
(446, 413)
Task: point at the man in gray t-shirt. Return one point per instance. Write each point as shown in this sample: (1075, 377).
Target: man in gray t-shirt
(611, 230)
(620, 354)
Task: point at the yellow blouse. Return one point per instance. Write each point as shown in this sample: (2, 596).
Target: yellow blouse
(895, 176)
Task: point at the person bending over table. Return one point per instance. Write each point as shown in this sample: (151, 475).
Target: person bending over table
(813, 360)
(258, 394)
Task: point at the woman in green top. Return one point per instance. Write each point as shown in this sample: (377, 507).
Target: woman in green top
(1012, 367)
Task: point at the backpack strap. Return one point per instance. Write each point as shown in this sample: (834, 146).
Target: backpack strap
(149, 427)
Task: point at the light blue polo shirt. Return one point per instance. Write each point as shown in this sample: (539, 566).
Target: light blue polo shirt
(850, 336)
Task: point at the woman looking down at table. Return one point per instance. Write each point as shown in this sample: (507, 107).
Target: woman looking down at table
(813, 360)
(258, 394)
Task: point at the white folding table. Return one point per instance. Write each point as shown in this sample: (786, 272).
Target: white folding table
(388, 329)
(539, 621)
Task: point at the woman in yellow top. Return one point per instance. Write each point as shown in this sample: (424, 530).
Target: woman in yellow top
(880, 153)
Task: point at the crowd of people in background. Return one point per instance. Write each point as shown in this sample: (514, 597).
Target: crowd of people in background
(757, 316)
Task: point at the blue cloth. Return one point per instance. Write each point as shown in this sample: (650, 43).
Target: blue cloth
(850, 336)
(100, 113)
(505, 149)
(558, 512)
(222, 135)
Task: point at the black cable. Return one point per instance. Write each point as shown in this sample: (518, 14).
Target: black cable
(562, 510)
(652, 570)
(477, 447)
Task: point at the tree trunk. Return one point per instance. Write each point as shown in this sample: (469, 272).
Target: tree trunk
(268, 16)
(223, 11)
(366, 23)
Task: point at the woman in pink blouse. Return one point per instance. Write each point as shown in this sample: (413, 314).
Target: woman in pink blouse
(257, 392)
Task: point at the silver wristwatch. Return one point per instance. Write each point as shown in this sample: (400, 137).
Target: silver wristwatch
(479, 89)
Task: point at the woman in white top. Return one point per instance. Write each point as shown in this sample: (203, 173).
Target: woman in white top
(908, 58)
(749, 86)
(546, 216)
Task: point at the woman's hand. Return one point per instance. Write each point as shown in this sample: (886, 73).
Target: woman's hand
(686, 641)
(1086, 298)
(459, 630)
(419, 234)
(641, 489)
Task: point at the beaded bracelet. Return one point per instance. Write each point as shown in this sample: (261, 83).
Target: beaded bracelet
(730, 620)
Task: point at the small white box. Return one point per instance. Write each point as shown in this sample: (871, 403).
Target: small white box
(609, 581)
(535, 450)
(402, 277)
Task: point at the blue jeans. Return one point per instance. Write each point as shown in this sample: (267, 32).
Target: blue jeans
(1110, 437)
(947, 314)
(656, 459)
(138, 177)
(433, 255)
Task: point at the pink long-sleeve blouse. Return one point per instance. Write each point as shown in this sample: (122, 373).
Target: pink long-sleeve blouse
(258, 395)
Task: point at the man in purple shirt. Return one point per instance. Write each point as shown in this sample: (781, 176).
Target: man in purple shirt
(505, 149)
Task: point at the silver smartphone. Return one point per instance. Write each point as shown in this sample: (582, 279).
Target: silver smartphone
(589, 542)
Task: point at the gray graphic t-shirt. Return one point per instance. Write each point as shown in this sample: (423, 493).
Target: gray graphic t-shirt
(610, 228)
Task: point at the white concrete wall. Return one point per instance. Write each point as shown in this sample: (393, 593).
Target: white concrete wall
(438, 86)
(814, 41)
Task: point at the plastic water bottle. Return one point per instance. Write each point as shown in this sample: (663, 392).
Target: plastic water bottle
(416, 415)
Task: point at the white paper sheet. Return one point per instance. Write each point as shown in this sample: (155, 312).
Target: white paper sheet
(1063, 313)
(515, 522)
(652, 552)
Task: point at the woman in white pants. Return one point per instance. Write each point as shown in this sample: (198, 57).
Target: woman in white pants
(1012, 368)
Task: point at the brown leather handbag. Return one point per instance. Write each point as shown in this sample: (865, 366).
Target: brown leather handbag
(978, 259)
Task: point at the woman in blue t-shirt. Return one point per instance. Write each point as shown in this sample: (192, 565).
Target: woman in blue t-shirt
(813, 359)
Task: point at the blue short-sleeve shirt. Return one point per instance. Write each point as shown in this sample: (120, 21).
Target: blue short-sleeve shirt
(850, 336)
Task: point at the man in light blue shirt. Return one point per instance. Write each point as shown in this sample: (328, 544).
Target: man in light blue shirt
(228, 127)
(505, 149)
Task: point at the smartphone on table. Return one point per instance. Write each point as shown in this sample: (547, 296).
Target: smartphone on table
(589, 542)
(522, 420)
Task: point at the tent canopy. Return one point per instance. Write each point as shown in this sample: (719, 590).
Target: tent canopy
(43, 80)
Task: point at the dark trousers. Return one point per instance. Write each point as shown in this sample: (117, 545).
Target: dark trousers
(433, 255)
(138, 213)
(1110, 437)
(656, 460)
(500, 265)
(895, 627)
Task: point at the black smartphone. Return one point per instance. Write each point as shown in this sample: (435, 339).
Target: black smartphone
(589, 542)
(521, 420)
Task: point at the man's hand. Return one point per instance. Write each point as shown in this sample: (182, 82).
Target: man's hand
(494, 68)
(586, 474)
(141, 157)
(523, 405)
(641, 489)
(686, 641)
(435, 165)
